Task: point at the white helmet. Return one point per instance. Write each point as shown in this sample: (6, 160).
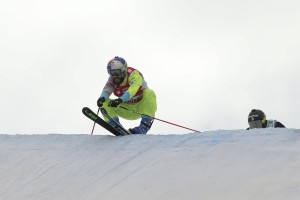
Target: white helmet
(117, 67)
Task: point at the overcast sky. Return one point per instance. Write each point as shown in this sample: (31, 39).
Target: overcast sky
(209, 61)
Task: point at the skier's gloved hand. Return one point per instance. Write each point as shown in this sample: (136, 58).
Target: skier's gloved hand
(115, 102)
(100, 101)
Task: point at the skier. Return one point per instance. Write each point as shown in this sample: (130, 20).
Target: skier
(129, 85)
(257, 119)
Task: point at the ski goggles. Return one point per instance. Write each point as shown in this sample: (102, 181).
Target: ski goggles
(256, 124)
(115, 72)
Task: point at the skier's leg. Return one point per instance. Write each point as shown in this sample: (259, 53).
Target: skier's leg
(113, 122)
(120, 112)
(147, 107)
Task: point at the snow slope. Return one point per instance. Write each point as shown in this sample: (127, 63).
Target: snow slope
(256, 165)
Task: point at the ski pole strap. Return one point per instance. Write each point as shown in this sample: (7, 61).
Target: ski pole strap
(160, 119)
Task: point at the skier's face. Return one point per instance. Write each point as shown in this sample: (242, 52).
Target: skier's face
(256, 124)
(118, 75)
(117, 79)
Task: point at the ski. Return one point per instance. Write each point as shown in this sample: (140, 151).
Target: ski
(120, 127)
(94, 117)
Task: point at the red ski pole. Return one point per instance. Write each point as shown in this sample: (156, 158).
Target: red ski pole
(159, 119)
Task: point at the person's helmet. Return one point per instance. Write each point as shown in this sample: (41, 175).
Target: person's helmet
(117, 67)
(256, 119)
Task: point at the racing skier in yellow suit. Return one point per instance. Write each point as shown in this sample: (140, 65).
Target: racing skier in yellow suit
(129, 85)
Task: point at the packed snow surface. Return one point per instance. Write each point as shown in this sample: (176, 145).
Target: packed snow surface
(260, 164)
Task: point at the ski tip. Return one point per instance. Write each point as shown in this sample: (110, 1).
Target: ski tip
(84, 108)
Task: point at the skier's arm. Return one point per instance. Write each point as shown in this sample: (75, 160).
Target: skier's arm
(108, 89)
(135, 81)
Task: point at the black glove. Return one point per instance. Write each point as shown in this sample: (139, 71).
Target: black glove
(115, 102)
(100, 101)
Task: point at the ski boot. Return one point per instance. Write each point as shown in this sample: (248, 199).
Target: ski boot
(144, 126)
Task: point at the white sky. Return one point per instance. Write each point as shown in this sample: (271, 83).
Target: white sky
(209, 62)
